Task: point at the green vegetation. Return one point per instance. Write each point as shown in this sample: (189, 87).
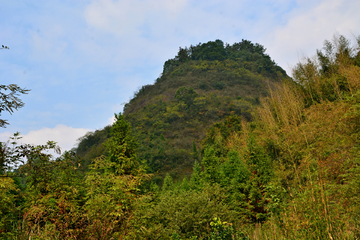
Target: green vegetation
(202, 85)
(291, 171)
(9, 101)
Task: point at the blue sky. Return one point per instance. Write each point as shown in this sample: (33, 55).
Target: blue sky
(83, 59)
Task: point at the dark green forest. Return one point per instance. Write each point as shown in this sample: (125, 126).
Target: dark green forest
(223, 145)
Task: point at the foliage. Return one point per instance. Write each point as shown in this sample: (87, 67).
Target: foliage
(14, 156)
(313, 133)
(9, 101)
(91, 145)
(290, 173)
(221, 230)
(113, 184)
(51, 201)
(53, 196)
(186, 213)
(8, 208)
(202, 85)
(220, 132)
(122, 147)
(251, 55)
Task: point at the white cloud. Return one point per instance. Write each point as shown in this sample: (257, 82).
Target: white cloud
(119, 17)
(111, 120)
(66, 137)
(129, 33)
(124, 18)
(308, 26)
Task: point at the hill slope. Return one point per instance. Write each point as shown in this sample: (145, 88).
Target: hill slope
(203, 84)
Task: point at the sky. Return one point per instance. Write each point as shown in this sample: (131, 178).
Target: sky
(83, 59)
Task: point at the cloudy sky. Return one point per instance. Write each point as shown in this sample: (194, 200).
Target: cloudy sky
(84, 59)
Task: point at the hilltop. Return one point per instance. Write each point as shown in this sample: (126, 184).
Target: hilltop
(201, 85)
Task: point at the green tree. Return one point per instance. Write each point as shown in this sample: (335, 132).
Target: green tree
(195, 180)
(187, 95)
(210, 162)
(186, 213)
(122, 147)
(22, 186)
(168, 183)
(113, 184)
(182, 55)
(54, 197)
(220, 132)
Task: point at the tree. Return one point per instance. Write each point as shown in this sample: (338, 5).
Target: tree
(183, 55)
(187, 95)
(10, 102)
(122, 147)
(113, 184)
(11, 158)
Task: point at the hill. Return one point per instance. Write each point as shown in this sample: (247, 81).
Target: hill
(202, 85)
(290, 173)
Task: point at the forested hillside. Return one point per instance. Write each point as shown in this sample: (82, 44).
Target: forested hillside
(290, 171)
(203, 84)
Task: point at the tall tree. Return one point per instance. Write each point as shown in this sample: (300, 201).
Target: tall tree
(113, 184)
(122, 147)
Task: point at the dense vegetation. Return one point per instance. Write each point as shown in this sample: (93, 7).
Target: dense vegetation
(293, 172)
(203, 84)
